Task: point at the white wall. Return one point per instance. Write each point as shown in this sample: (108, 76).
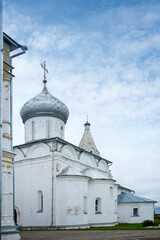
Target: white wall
(38, 128)
(32, 175)
(101, 189)
(125, 212)
(71, 191)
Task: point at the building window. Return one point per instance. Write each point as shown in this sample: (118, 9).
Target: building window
(135, 212)
(61, 131)
(98, 206)
(48, 128)
(39, 201)
(85, 211)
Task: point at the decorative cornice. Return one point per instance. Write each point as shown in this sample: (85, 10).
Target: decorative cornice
(6, 135)
(8, 154)
(7, 66)
(7, 75)
(7, 164)
(6, 122)
(7, 159)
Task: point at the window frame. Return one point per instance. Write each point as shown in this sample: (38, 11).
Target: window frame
(98, 206)
(85, 205)
(39, 201)
(135, 212)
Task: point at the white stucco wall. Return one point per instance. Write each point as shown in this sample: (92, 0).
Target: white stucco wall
(71, 191)
(43, 127)
(33, 174)
(125, 212)
(101, 189)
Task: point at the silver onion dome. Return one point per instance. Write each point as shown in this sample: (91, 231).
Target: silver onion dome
(44, 104)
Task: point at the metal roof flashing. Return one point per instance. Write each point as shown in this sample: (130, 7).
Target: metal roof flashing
(13, 44)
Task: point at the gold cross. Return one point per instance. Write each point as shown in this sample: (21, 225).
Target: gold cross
(43, 65)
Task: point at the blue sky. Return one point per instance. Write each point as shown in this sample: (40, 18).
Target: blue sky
(103, 59)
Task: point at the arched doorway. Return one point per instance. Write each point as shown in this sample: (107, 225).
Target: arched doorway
(16, 215)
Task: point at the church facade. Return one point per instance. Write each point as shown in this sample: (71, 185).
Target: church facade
(62, 185)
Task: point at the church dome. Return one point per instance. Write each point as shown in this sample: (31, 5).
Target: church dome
(44, 104)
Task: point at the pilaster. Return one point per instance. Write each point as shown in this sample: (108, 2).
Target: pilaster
(9, 229)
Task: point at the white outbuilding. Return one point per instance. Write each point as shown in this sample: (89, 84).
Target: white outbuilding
(58, 184)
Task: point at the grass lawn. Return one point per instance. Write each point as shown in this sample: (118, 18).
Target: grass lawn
(137, 226)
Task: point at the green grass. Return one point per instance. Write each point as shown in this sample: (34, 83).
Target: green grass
(124, 227)
(117, 227)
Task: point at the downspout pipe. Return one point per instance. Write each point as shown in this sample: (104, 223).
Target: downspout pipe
(1, 86)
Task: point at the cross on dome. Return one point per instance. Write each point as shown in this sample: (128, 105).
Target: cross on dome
(43, 65)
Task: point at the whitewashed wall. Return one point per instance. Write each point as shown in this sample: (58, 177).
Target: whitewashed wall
(31, 175)
(100, 189)
(125, 212)
(71, 191)
(43, 127)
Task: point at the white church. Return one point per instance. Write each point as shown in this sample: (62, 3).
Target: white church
(58, 184)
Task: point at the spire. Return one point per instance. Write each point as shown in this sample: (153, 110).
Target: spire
(87, 142)
(87, 118)
(43, 65)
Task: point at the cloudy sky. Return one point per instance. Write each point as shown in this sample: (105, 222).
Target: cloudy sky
(103, 58)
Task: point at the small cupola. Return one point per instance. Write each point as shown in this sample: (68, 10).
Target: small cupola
(87, 142)
(44, 115)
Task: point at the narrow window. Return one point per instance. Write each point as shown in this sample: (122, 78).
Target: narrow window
(48, 128)
(61, 131)
(85, 205)
(98, 206)
(32, 130)
(39, 201)
(135, 211)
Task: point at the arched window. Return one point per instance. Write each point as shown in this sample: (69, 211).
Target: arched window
(98, 205)
(48, 128)
(39, 201)
(111, 193)
(85, 208)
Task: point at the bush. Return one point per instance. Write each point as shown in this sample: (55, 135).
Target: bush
(156, 222)
(147, 223)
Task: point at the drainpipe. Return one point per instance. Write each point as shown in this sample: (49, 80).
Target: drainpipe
(52, 203)
(24, 49)
(1, 86)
